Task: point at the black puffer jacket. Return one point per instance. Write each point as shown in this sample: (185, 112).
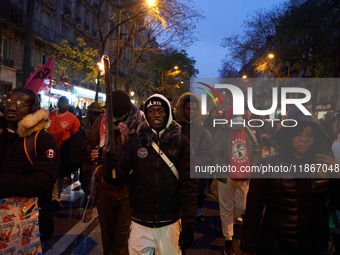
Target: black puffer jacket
(19, 178)
(157, 198)
(295, 219)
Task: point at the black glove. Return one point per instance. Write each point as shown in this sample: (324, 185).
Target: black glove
(186, 237)
(110, 167)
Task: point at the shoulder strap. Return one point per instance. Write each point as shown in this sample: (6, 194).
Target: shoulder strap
(30, 146)
(166, 159)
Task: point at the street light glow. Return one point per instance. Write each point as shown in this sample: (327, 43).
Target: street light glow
(101, 67)
(244, 77)
(151, 3)
(132, 93)
(271, 55)
(176, 67)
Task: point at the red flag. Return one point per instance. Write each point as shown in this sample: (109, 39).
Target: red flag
(41, 79)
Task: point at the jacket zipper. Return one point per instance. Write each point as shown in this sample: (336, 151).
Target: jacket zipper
(157, 191)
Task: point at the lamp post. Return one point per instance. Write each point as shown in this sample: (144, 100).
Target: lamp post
(117, 48)
(151, 4)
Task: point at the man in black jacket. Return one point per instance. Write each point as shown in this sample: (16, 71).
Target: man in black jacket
(31, 173)
(163, 198)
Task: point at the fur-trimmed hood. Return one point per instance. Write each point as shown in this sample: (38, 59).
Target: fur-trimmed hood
(171, 135)
(33, 122)
(180, 106)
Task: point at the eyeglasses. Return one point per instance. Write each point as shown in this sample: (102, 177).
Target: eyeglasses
(18, 103)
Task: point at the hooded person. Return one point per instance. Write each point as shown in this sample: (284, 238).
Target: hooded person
(156, 161)
(208, 122)
(113, 201)
(189, 117)
(234, 145)
(296, 215)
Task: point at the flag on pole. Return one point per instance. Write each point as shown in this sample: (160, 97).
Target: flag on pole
(41, 79)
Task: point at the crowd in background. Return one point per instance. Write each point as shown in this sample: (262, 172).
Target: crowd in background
(139, 176)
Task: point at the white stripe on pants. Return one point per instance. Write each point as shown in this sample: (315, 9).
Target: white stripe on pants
(232, 198)
(159, 241)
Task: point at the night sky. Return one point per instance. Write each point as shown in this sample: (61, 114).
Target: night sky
(223, 18)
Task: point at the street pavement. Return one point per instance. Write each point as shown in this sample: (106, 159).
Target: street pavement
(72, 236)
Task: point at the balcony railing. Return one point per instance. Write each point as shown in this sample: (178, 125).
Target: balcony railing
(6, 62)
(45, 32)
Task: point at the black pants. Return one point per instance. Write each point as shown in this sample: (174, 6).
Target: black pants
(114, 218)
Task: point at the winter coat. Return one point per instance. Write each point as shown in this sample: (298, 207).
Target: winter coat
(295, 219)
(19, 178)
(157, 197)
(198, 135)
(92, 140)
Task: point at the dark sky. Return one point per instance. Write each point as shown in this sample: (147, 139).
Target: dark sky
(223, 18)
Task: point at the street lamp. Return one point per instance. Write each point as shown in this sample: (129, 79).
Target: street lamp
(151, 3)
(132, 93)
(244, 76)
(175, 67)
(271, 55)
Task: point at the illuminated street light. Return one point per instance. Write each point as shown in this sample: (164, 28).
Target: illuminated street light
(151, 3)
(132, 93)
(271, 55)
(175, 67)
(244, 77)
(101, 67)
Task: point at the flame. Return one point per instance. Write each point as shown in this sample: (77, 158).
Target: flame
(101, 66)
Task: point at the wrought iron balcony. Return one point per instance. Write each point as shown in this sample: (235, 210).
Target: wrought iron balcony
(6, 62)
(45, 32)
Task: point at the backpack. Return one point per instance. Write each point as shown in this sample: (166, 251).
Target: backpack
(30, 146)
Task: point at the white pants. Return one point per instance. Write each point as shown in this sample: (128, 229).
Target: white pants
(159, 241)
(232, 198)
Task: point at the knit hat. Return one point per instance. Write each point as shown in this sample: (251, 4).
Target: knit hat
(95, 107)
(121, 103)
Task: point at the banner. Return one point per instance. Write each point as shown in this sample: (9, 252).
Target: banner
(19, 226)
(41, 79)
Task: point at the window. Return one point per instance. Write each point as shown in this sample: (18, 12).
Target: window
(6, 48)
(43, 58)
(32, 58)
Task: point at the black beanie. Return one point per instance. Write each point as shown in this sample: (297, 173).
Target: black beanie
(121, 103)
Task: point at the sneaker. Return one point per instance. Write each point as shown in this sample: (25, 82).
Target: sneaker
(55, 205)
(228, 247)
(76, 176)
(199, 215)
(88, 215)
(239, 220)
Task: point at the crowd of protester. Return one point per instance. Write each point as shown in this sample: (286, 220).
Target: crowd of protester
(140, 183)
